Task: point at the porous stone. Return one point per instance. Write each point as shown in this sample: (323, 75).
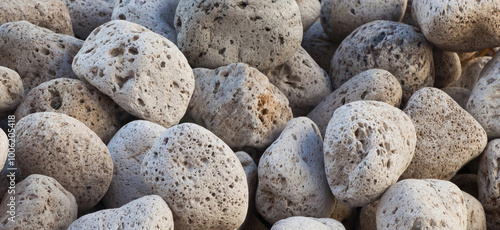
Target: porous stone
(396, 47)
(304, 223)
(476, 219)
(309, 11)
(127, 148)
(447, 136)
(302, 81)
(341, 17)
(86, 15)
(148, 212)
(250, 171)
(488, 183)
(78, 100)
(294, 160)
(59, 146)
(263, 34)
(239, 105)
(460, 95)
(199, 177)
(368, 216)
(447, 68)
(37, 54)
(372, 84)
(11, 89)
(368, 145)
(141, 71)
(471, 72)
(4, 147)
(467, 183)
(40, 203)
(422, 204)
(459, 26)
(318, 45)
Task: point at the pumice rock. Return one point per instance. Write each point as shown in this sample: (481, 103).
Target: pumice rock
(11, 89)
(141, 71)
(239, 105)
(199, 177)
(4, 147)
(63, 148)
(471, 72)
(86, 15)
(368, 145)
(476, 219)
(309, 12)
(488, 183)
(447, 68)
(263, 34)
(305, 223)
(318, 45)
(250, 171)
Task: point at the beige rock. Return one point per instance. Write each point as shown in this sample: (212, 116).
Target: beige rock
(141, 71)
(239, 105)
(309, 11)
(447, 68)
(488, 183)
(4, 147)
(368, 145)
(459, 95)
(86, 15)
(199, 177)
(305, 223)
(467, 183)
(37, 54)
(250, 171)
(318, 45)
(40, 203)
(471, 72)
(373, 84)
(476, 219)
(368, 216)
(11, 89)
(422, 204)
(215, 33)
(62, 147)
(148, 212)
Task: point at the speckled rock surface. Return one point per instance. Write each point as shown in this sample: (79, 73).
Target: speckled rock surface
(199, 177)
(4, 148)
(302, 81)
(318, 45)
(309, 11)
(463, 26)
(40, 203)
(304, 223)
(368, 145)
(76, 99)
(447, 136)
(239, 105)
(129, 63)
(447, 68)
(148, 212)
(62, 147)
(373, 84)
(396, 47)
(341, 17)
(294, 160)
(476, 219)
(422, 204)
(127, 148)
(37, 54)
(264, 34)
(460, 95)
(488, 183)
(471, 72)
(11, 89)
(467, 183)
(86, 15)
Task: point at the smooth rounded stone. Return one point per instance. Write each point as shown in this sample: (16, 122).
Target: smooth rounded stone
(86, 15)
(372, 84)
(396, 47)
(488, 183)
(340, 17)
(141, 71)
(62, 147)
(11, 89)
(40, 203)
(50, 14)
(302, 80)
(309, 12)
(306, 223)
(250, 169)
(476, 219)
(368, 145)
(459, 26)
(368, 216)
(37, 54)
(156, 15)
(471, 72)
(4, 147)
(422, 204)
(460, 95)
(127, 148)
(318, 45)
(447, 136)
(76, 99)
(466, 183)
(239, 105)
(215, 33)
(199, 176)
(447, 68)
(148, 212)
(294, 160)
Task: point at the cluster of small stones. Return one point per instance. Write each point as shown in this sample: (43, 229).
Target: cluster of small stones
(250, 114)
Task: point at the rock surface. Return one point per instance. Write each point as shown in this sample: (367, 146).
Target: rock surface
(305, 223)
(459, 95)
(11, 89)
(488, 183)
(309, 11)
(447, 68)
(4, 147)
(318, 45)
(86, 15)
(476, 219)
(471, 72)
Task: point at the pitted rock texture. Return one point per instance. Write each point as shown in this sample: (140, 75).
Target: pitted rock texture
(302, 81)
(305, 223)
(199, 177)
(447, 136)
(460, 95)
(239, 105)
(309, 12)
(11, 89)
(127, 148)
(396, 47)
(447, 68)
(488, 183)
(76, 99)
(373, 84)
(40, 203)
(86, 15)
(250, 171)
(476, 219)
(37, 54)
(141, 71)
(148, 212)
(264, 34)
(340, 17)
(368, 145)
(4, 148)
(318, 45)
(422, 204)
(294, 160)
(471, 72)
(459, 26)
(156, 15)
(62, 147)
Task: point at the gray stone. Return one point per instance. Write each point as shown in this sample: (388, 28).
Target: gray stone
(309, 11)
(447, 68)
(318, 45)
(11, 90)
(471, 72)
(488, 183)
(86, 15)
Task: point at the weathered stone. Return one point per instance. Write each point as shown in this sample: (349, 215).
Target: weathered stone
(318, 45)
(459, 95)
(447, 68)
(471, 72)
(305, 223)
(11, 90)
(488, 183)
(86, 15)
(476, 219)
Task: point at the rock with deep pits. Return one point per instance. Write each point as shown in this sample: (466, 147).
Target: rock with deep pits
(11, 90)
